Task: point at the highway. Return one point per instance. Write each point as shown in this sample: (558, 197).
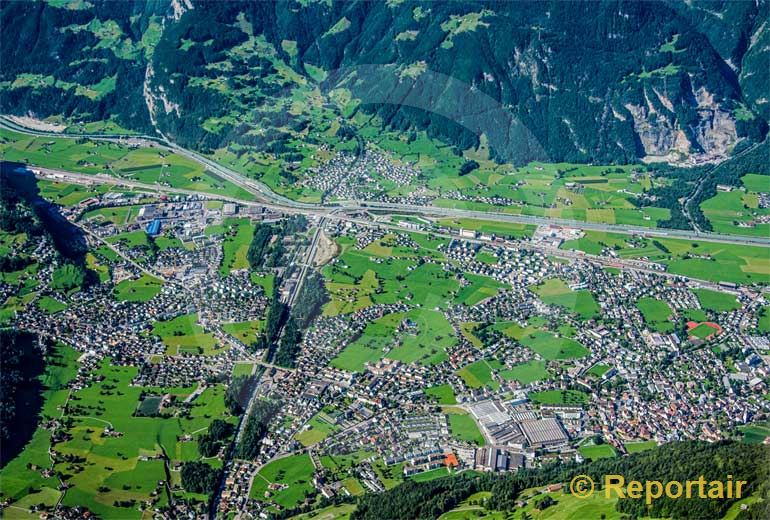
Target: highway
(273, 200)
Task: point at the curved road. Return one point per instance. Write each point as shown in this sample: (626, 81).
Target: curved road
(264, 193)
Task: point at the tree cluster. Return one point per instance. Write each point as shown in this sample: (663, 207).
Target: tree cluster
(255, 429)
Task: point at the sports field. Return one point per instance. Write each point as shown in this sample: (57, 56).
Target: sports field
(755, 433)
(597, 451)
(636, 447)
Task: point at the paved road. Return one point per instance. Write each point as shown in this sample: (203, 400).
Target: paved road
(687, 202)
(272, 199)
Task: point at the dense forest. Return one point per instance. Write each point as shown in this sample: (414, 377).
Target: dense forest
(676, 461)
(21, 364)
(256, 426)
(199, 477)
(606, 81)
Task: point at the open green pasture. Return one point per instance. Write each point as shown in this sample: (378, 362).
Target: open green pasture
(245, 331)
(441, 394)
(419, 335)
(527, 372)
(126, 465)
(717, 301)
(736, 212)
(480, 373)
(550, 346)
(141, 289)
(295, 472)
(555, 292)
(183, 335)
(463, 427)
(656, 314)
(569, 397)
(700, 259)
(150, 165)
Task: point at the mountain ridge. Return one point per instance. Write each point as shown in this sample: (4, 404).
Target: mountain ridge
(608, 82)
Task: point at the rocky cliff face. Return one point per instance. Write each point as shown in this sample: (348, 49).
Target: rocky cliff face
(709, 137)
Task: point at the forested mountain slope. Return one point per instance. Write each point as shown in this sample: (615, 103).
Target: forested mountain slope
(596, 81)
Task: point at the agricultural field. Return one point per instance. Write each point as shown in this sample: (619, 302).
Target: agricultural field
(136, 238)
(763, 322)
(183, 335)
(244, 331)
(717, 301)
(113, 468)
(295, 472)
(479, 288)
(441, 394)
(565, 506)
(569, 191)
(18, 475)
(340, 512)
(551, 346)
(120, 215)
(526, 373)
(146, 165)
(656, 314)
(555, 292)
(736, 212)
(703, 260)
(479, 374)
(238, 234)
(51, 305)
(419, 335)
(510, 230)
(463, 427)
(569, 397)
(66, 194)
(316, 430)
(142, 289)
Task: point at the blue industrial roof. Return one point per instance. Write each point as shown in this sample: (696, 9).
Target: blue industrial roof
(153, 227)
